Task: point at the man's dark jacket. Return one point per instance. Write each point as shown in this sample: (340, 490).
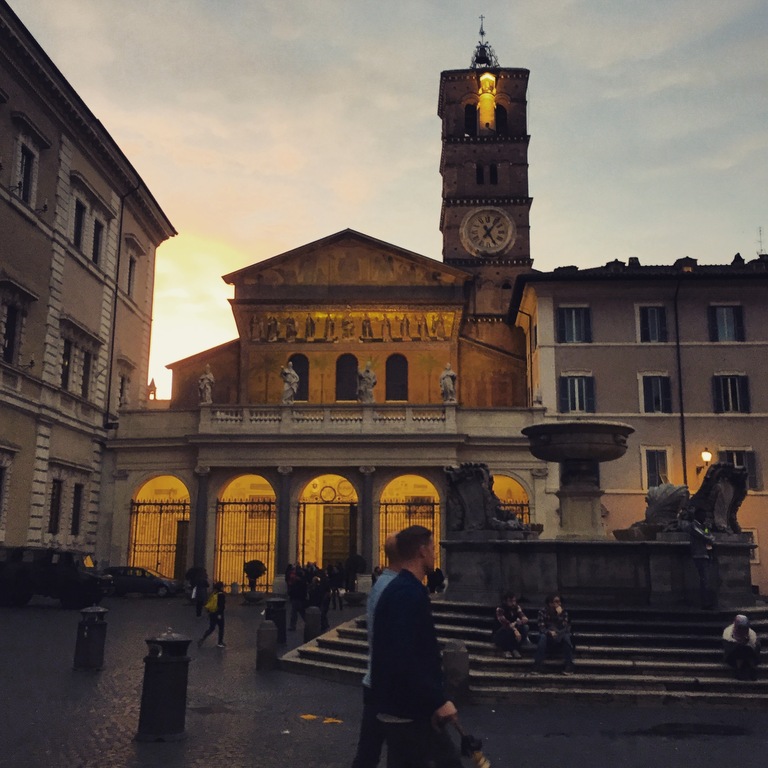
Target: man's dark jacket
(406, 671)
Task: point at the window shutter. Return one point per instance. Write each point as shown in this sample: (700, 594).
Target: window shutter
(738, 318)
(587, 324)
(589, 389)
(561, 326)
(662, 315)
(751, 466)
(647, 395)
(564, 404)
(666, 395)
(717, 395)
(744, 404)
(645, 331)
(712, 315)
(722, 457)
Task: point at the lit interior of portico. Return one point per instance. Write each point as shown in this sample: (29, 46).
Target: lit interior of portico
(512, 496)
(327, 521)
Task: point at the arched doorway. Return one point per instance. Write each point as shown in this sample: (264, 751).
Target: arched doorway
(512, 496)
(327, 521)
(408, 500)
(246, 521)
(159, 530)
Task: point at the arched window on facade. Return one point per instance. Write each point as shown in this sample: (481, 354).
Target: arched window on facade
(346, 378)
(479, 174)
(301, 366)
(493, 173)
(397, 378)
(501, 120)
(470, 120)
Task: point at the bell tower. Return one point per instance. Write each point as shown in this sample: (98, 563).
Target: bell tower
(484, 166)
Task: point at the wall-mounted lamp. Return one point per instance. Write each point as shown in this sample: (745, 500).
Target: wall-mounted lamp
(706, 457)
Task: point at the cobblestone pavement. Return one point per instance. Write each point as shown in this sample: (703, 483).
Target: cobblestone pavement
(53, 716)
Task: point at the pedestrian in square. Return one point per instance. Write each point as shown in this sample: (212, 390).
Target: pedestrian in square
(215, 606)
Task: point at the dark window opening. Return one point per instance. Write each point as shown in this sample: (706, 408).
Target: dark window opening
(98, 233)
(54, 517)
(656, 468)
(26, 174)
(726, 323)
(657, 394)
(479, 174)
(653, 324)
(77, 238)
(11, 334)
(574, 325)
(87, 365)
(493, 173)
(77, 508)
(470, 120)
(66, 363)
(346, 378)
(397, 378)
(577, 394)
(731, 394)
(501, 120)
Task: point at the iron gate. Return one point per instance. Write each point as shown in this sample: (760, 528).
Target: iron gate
(245, 530)
(158, 538)
(519, 508)
(396, 515)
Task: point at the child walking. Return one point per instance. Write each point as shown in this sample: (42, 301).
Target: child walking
(215, 607)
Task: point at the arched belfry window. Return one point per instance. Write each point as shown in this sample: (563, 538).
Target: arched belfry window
(493, 173)
(479, 174)
(301, 366)
(470, 120)
(501, 120)
(397, 378)
(346, 378)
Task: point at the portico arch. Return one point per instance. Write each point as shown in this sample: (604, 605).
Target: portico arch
(327, 520)
(159, 526)
(246, 522)
(513, 496)
(408, 500)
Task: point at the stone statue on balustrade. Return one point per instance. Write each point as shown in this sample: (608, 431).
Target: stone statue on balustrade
(448, 384)
(366, 381)
(471, 503)
(290, 384)
(205, 386)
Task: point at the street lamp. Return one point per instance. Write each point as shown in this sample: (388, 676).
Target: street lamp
(706, 457)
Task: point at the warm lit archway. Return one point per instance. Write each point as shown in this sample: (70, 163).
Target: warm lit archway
(408, 500)
(246, 524)
(159, 530)
(327, 521)
(513, 497)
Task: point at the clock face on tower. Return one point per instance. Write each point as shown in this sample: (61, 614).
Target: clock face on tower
(487, 232)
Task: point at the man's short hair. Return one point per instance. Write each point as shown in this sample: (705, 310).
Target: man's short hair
(410, 539)
(390, 549)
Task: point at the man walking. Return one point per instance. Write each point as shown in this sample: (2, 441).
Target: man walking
(406, 672)
(371, 737)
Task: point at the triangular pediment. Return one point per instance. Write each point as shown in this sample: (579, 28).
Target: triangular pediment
(346, 258)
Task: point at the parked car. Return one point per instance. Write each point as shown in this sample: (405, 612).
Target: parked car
(145, 581)
(64, 574)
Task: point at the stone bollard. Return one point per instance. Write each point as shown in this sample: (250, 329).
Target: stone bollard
(275, 611)
(311, 623)
(91, 636)
(456, 670)
(164, 695)
(266, 646)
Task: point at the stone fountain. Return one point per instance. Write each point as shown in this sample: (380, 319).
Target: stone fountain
(579, 446)
(485, 556)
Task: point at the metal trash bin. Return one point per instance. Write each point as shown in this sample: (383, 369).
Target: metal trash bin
(164, 694)
(275, 611)
(91, 637)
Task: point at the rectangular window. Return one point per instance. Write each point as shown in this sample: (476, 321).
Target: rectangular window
(86, 383)
(77, 508)
(574, 325)
(123, 391)
(577, 394)
(131, 275)
(11, 334)
(77, 237)
(54, 518)
(657, 394)
(494, 173)
(479, 174)
(726, 323)
(653, 324)
(745, 460)
(655, 468)
(98, 234)
(26, 174)
(66, 363)
(730, 394)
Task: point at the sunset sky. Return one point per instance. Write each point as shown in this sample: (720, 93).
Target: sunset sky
(262, 125)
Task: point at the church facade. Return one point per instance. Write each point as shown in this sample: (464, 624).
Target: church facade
(362, 370)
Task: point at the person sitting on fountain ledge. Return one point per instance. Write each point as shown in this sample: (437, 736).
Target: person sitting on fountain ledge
(741, 648)
(554, 634)
(511, 627)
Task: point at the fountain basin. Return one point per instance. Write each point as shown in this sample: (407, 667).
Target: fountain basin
(578, 440)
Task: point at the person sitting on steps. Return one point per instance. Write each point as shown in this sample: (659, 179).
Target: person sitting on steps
(554, 634)
(741, 648)
(511, 627)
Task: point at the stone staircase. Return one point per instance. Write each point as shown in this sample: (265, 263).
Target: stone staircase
(640, 655)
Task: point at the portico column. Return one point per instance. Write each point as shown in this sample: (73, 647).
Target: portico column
(366, 516)
(283, 534)
(201, 516)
